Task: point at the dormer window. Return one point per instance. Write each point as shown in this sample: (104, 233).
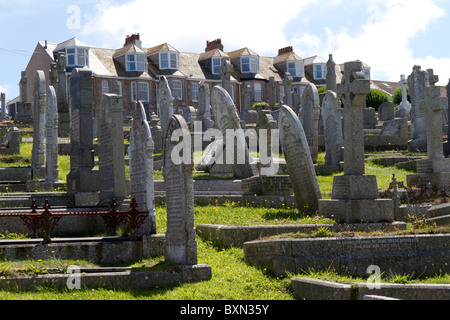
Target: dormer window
(296, 68)
(216, 64)
(320, 71)
(77, 57)
(168, 60)
(249, 64)
(136, 62)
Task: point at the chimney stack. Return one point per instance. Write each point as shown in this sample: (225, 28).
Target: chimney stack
(133, 39)
(215, 44)
(285, 50)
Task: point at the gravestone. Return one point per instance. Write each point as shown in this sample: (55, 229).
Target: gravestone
(247, 100)
(11, 145)
(38, 153)
(331, 115)
(140, 152)
(111, 148)
(156, 132)
(436, 168)
(299, 161)
(83, 176)
(447, 144)
(51, 136)
(287, 83)
(204, 106)
(165, 104)
(404, 108)
(190, 115)
(370, 119)
(417, 82)
(24, 108)
(355, 195)
(266, 130)
(181, 245)
(331, 74)
(3, 107)
(63, 100)
(386, 111)
(227, 119)
(272, 92)
(225, 71)
(310, 118)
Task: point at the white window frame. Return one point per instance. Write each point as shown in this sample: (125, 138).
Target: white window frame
(169, 60)
(177, 89)
(143, 88)
(367, 73)
(296, 68)
(322, 71)
(258, 92)
(215, 66)
(79, 57)
(194, 92)
(105, 87)
(134, 92)
(136, 62)
(251, 64)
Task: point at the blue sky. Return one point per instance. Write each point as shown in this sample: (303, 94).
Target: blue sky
(389, 35)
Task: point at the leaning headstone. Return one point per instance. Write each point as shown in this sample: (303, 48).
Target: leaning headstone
(404, 108)
(331, 115)
(237, 154)
(436, 168)
(299, 161)
(181, 245)
(417, 82)
(310, 118)
(83, 176)
(140, 152)
(38, 153)
(51, 136)
(165, 104)
(355, 195)
(386, 111)
(111, 150)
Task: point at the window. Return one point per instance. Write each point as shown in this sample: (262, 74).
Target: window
(216, 64)
(136, 62)
(177, 89)
(367, 73)
(194, 92)
(105, 86)
(249, 64)
(133, 92)
(168, 60)
(296, 68)
(144, 94)
(320, 71)
(258, 92)
(77, 57)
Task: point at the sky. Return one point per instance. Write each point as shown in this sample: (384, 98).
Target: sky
(391, 36)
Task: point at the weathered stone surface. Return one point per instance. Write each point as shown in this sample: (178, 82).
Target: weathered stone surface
(38, 153)
(165, 104)
(298, 157)
(51, 135)
(181, 245)
(404, 108)
(386, 111)
(204, 106)
(310, 118)
(417, 82)
(331, 115)
(228, 122)
(140, 152)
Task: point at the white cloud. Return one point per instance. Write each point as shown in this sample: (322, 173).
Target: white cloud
(383, 42)
(187, 25)
(5, 88)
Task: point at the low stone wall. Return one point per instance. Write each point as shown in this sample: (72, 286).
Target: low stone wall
(236, 236)
(106, 251)
(313, 289)
(128, 280)
(415, 255)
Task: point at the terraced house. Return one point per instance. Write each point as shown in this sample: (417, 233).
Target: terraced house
(138, 70)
